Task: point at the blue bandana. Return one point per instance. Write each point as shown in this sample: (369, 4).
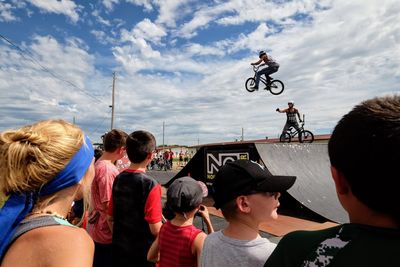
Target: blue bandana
(17, 206)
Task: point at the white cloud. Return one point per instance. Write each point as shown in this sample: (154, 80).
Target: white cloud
(198, 49)
(103, 37)
(238, 12)
(64, 7)
(169, 11)
(49, 80)
(6, 13)
(201, 19)
(109, 4)
(100, 19)
(254, 41)
(148, 31)
(145, 3)
(139, 53)
(251, 10)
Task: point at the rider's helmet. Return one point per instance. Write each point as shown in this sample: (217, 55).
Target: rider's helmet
(291, 102)
(262, 52)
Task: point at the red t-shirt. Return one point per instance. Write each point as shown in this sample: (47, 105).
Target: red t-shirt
(175, 243)
(152, 207)
(105, 173)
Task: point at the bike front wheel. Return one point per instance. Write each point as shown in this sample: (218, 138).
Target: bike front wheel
(276, 87)
(285, 138)
(306, 137)
(250, 82)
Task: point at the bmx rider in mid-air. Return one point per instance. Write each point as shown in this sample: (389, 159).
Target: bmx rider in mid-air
(272, 67)
(291, 120)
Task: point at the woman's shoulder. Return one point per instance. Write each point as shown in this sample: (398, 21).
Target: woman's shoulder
(60, 244)
(64, 237)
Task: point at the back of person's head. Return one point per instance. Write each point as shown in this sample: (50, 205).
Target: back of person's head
(139, 144)
(244, 177)
(114, 139)
(365, 149)
(184, 194)
(97, 153)
(33, 155)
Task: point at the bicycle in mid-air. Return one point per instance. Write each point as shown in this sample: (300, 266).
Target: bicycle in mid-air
(274, 86)
(305, 136)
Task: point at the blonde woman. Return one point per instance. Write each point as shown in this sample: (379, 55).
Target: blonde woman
(44, 167)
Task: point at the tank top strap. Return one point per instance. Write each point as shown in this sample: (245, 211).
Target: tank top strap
(37, 222)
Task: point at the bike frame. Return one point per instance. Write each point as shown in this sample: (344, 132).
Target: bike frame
(262, 79)
(293, 132)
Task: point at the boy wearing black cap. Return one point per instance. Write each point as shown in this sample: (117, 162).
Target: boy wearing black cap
(364, 152)
(179, 243)
(247, 194)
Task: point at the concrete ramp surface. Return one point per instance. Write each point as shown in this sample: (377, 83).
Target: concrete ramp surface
(314, 187)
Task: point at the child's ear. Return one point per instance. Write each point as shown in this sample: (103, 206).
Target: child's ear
(242, 203)
(342, 187)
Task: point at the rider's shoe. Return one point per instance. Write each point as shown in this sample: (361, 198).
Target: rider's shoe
(254, 88)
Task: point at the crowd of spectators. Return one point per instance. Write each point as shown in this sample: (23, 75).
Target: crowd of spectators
(48, 166)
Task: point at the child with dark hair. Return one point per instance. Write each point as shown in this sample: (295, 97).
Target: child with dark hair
(136, 204)
(179, 243)
(364, 152)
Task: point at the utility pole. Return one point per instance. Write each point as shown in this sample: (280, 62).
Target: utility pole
(112, 103)
(242, 134)
(163, 130)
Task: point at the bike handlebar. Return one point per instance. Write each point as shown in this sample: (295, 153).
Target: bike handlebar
(255, 68)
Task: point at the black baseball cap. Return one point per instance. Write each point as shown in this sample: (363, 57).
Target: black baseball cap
(184, 194)
(243, 177)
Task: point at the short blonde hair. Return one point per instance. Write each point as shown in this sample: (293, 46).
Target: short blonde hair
(32, 155)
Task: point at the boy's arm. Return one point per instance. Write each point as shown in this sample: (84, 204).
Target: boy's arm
(154, 252)
(110, 218)
(155, 228)
(206, 216)
(153, 210)
(197, 246)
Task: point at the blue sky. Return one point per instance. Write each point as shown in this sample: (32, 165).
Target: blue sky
(185, 63)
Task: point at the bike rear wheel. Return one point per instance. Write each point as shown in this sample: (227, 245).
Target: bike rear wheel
(306, 137)
(250, 82)
(285, 138)
(276, 87)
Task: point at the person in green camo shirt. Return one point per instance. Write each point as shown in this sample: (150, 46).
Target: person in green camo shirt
(364, 152)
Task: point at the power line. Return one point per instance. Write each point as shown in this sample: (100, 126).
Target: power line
(100, 124)
(56, 76)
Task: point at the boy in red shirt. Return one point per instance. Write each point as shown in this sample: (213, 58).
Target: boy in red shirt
(179, 243)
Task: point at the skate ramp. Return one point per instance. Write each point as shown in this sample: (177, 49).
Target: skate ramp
(314, 187)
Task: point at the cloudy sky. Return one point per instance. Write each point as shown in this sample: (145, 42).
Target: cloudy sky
(184, 63)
